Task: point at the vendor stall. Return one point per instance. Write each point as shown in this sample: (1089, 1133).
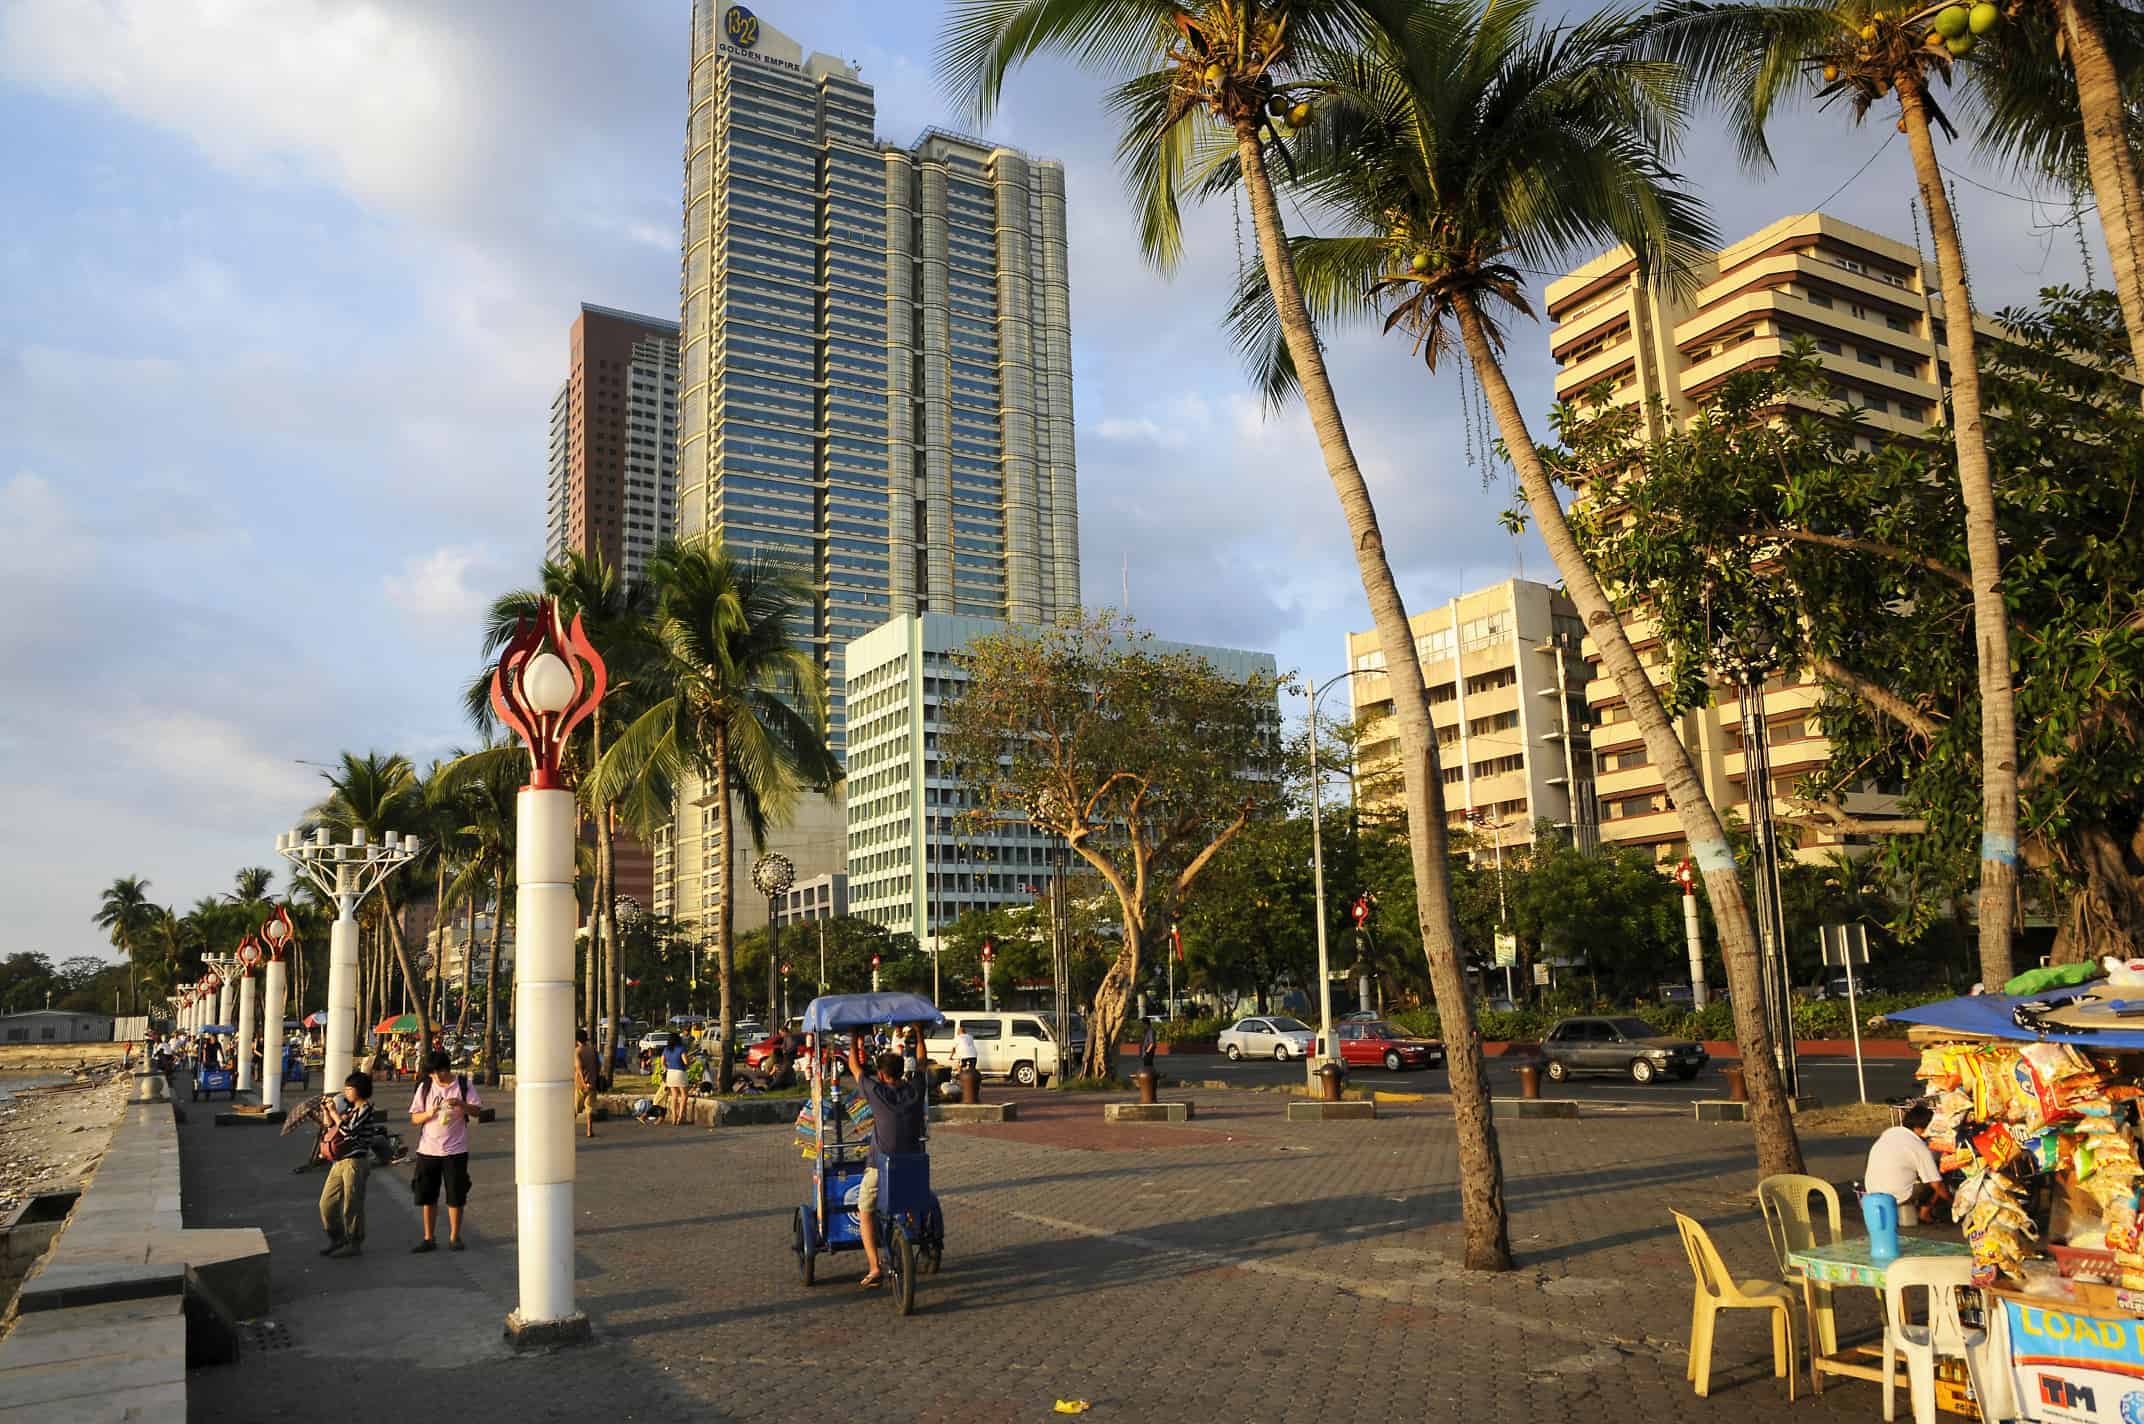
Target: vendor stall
(2036, 1124)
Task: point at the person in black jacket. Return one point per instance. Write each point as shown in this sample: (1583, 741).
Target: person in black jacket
(354, 1131)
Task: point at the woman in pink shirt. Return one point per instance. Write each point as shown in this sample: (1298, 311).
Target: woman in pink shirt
(442, 1108)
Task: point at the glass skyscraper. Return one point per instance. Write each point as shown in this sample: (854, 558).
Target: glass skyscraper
(875, 373)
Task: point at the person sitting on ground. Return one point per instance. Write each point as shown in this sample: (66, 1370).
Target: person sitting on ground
(897, 1115)
(1901, 1165)
(774, 1073)
(354, 1129)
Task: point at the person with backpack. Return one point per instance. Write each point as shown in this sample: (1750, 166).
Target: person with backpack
(353, 1131)
(442, 1107)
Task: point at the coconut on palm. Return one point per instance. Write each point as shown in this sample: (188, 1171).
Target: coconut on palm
(1831, 74)
(1214, 74)
(1421, 264)
(1299, 115)
(1951, 21)
(1983, 17)
(1961, 45)
(1277, 106)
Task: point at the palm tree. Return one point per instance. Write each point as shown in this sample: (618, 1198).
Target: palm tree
(377, 793)
(1208, 82)
(1467, 143)
(1756, 56)
(481, 788)
(735, 699)
(251, 885)
(615, 614)
(124, 912)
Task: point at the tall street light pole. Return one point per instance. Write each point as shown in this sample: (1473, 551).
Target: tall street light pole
(1312, 692)
(549, 679)
(344, 874)
(277, 938)
(249, 956)
(772, 875)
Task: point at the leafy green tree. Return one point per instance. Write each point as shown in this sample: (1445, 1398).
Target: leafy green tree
(1252, 928)
(1146, 763)
(478, 793)
(1213, 86)
(1758, 56)
(124, 913)
(734, 698)
(1856, 562)
(1466, 144)
(1609, 905)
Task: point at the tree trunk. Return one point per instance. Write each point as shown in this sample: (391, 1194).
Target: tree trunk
(1778, 1149)
(2104, 913)
(491, 981)
(2110, 160)
(725, 913)
(1481, 1171)
(410, 989)
(1983, 551)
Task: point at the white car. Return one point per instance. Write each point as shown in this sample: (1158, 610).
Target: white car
(1267, 1036)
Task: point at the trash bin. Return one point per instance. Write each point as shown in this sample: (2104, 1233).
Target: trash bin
(1529, 1080)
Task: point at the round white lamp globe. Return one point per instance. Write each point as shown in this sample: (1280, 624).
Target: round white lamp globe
(547, 683)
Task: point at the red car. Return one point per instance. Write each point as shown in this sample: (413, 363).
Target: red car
(1380, 1045)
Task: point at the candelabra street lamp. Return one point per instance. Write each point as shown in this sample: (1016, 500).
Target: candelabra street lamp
(226, 967)
(549, 679)
(249, 955)
(276, 939)
(344, 874)
(772, 876)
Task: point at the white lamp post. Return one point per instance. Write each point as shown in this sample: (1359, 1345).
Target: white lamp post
(276, 939)
(345, 874)
(548, 680)
(226, 967)
(1312, 1062)
(249, 955)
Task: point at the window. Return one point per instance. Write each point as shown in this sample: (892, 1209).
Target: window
(1027, 1028)
(982, 1028)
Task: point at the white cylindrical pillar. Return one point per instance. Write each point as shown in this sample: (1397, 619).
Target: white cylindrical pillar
(223, 1003)
(272, 1035)
(342, 993)
(546, 913)
(248, 1001)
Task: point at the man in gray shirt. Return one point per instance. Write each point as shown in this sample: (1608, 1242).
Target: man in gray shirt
(897, 1116)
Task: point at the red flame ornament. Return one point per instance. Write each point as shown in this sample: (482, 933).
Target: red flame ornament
(549, 680)
(277, 934)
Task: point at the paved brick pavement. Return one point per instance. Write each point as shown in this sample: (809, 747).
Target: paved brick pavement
(1238, 1268)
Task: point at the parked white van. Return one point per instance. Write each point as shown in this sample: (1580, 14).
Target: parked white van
(1021, 1047)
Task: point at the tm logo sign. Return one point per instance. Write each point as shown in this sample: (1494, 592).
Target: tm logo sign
(2067, 1394)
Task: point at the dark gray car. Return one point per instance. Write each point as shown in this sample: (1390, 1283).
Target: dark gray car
(1618, 1045)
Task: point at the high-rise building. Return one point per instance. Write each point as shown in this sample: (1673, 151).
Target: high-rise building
(876, 380)
(613, 466)
(914, 864)
(1506, 687)
(1873, 310)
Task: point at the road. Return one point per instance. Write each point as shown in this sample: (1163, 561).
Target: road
(1830, 1080)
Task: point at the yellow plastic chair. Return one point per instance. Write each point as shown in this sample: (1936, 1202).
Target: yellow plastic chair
(1784, 1199)
(1717, 1291)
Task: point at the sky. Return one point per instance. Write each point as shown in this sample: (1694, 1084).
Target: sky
(287, 291)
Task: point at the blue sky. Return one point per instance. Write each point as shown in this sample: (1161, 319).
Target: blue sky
(287, 291)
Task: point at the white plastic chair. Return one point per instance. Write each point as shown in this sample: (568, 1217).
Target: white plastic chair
(1918, 1345)
(1986, 1359)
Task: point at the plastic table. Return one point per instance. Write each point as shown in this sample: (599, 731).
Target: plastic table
(1847, 1263)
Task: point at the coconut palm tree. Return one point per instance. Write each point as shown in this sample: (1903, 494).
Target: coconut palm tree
(377, 793)
(1212, 82)
(124, 913)
(735, 699)
(251, 885)
(480, 788)
(616, 616)
(1467, 145)
(1756, 57)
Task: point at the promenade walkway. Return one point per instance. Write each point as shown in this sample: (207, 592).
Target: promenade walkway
(1237, 1268)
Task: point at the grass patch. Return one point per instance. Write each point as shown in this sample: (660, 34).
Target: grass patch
(1093, 1085)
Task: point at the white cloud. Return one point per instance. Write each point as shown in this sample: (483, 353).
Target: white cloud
(209, 762)
(382, 100)
(437, 586)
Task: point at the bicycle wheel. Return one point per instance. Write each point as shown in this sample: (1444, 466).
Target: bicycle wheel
(807, 1261)
(901, 1269)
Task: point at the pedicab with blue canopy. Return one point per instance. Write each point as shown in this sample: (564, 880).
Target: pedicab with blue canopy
(833, 1133)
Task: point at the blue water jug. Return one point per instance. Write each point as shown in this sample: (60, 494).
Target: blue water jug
(1880, 1211)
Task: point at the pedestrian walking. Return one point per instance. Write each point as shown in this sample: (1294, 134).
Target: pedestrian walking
(674, 1078)
(965, 1053)
(587, 1078)
(442, 1107)
(353, 1127)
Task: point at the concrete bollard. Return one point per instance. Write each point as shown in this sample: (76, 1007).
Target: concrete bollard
(1330, 1077)
(1529, 1080)
(1146, 1082)
(1737, 1085)
(971, 1087)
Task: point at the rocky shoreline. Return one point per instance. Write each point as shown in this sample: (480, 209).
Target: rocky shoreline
(52, 1137)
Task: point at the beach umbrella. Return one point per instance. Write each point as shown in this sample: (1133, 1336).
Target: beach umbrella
(398, 1023)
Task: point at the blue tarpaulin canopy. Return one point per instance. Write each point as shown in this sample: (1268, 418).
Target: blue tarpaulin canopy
(1996, 1016)
(839, 1011)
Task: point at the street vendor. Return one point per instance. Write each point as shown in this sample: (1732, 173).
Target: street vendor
(897, 1117)
(1901, 1165)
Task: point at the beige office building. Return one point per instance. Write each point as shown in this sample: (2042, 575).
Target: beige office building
(1873, 310)
(1506, 680)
